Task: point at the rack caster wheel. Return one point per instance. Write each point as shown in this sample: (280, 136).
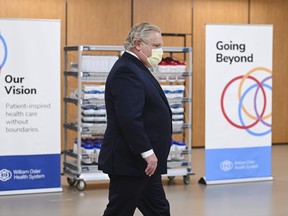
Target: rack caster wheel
(81, 185)
(186, 179)
(171, 180)
(71, 181)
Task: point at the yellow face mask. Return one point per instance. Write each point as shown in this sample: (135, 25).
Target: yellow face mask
(156, 57)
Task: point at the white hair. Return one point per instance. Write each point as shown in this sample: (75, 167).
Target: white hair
(140, 32)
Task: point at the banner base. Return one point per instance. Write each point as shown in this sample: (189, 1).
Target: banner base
(31, 191)
(203, 180)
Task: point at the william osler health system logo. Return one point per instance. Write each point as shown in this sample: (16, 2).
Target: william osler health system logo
(5, 175)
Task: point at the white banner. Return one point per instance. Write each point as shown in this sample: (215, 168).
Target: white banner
(238, 102)
(30, 105)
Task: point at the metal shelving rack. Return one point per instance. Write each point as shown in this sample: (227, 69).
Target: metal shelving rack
(182, 167)
(78, 173)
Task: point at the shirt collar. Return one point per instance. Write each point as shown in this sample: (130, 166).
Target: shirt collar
(131, 53)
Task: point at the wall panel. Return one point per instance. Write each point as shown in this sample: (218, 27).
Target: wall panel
(275, 12)
(209, 11)
(35, 9)
(93, 22)
(170, 15)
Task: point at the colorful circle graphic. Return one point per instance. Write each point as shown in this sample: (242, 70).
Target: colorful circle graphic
(258, 112)
(5, 53)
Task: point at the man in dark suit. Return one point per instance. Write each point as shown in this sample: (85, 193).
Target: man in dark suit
(137, 140)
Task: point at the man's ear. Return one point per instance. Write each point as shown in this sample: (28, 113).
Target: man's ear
(137, 45)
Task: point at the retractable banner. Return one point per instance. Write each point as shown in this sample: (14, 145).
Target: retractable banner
(29, 106)
(238, 101)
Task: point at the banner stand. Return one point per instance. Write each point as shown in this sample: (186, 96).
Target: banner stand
(30, 106)
(238, 103)
(203, 180)
(34, 191)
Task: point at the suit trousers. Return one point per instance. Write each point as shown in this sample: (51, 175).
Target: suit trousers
(126, 193)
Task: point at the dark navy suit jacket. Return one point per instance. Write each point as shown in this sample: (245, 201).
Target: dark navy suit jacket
(138, 119)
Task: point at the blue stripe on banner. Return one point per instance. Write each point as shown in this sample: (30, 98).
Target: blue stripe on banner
(237, 163)
(30, 172)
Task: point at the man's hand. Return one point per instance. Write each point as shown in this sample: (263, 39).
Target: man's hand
(151, 164)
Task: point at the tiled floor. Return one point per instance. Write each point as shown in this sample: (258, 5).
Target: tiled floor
(246, 199)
